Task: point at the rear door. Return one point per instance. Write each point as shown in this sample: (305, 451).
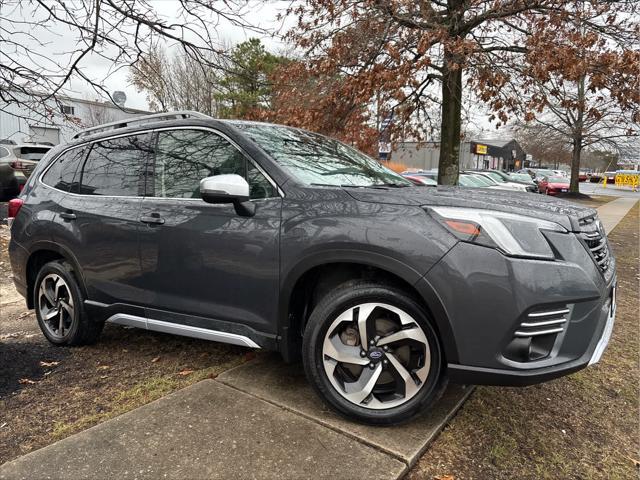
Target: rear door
(98, 219)
(205, 260)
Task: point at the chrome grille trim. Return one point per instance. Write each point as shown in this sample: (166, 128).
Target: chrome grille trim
(552, 313)
(593, 237)
(543, 323)
(536, 333)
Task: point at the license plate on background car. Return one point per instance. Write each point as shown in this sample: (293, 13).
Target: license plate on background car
(564, 190)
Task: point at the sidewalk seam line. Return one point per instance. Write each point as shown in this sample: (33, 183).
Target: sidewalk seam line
(320, 422)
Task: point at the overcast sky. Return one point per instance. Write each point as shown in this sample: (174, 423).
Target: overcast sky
(54, 42)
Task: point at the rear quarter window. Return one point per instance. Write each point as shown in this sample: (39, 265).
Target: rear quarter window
(64, 171)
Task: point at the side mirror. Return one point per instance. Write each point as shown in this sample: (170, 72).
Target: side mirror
(228, 189)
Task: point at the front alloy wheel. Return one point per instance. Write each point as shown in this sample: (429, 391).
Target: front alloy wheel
(370, 351)
(376, 355)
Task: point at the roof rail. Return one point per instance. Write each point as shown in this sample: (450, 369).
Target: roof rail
(127, 122)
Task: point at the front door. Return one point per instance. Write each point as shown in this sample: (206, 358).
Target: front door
(205, 260)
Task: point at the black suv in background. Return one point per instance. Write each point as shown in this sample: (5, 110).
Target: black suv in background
(273, 237)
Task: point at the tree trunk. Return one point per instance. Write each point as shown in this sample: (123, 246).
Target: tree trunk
(448, 163)
(574, 187)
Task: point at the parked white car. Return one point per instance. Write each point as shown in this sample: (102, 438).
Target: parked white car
(502, 183)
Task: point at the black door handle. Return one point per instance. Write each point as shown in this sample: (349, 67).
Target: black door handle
(153, 218)
(68, 215)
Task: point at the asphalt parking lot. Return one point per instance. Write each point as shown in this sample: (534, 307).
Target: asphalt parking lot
(589, 188)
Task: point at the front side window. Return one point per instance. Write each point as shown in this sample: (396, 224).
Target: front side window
(115, 167)
(63, 171)
(184, 157)
(318, 160)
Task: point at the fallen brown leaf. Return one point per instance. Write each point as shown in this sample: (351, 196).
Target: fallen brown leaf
(184, 373)
(26, 381)
(103, 367)
(49, 364)
(445, 477)
(157, 359)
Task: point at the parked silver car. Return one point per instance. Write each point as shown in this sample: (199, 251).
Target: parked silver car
(23, 157)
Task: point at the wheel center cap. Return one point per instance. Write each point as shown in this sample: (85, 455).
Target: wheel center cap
(375, 354)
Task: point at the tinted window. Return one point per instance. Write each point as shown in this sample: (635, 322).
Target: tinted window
(184, 157)
(116, 166)
(31, 153)
(62, 174)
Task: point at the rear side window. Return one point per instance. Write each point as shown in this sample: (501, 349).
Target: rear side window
(4, 152)
(62, 174)
(115, 167)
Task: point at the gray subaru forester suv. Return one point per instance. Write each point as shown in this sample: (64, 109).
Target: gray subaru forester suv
(272, 237)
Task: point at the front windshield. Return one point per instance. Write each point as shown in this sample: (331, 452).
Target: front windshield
(487, 182)
(522, 177)
(496, 177)
(468, 181)
(557, 180)
(318, 160)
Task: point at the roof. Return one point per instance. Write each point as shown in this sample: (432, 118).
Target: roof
(496, 142)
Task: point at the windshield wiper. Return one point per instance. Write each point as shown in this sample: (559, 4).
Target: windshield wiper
(390, 184)
(335, 185)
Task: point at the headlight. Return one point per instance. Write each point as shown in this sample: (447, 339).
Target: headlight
(514, 235)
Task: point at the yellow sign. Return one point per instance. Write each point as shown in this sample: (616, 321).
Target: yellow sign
(628, 180)
(481, 149)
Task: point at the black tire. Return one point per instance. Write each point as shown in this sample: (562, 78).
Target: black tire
(81, 331)
(333, 304)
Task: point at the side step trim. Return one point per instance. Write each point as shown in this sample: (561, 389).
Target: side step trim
(184, 330)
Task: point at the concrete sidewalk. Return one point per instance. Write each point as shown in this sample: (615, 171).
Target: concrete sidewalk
(612, 213)
(276, 429)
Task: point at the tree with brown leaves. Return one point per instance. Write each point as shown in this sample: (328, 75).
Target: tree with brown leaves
(408, 55)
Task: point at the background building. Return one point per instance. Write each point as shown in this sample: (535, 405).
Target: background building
(501, 154)
(57, 121)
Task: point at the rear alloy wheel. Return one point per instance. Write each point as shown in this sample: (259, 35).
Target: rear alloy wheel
(56, 306)
(59, 307)
(379, 357)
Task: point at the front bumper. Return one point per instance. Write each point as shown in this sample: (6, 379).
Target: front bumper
(490, 376)
(490, 301)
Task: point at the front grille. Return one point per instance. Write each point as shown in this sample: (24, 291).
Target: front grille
(593, 236)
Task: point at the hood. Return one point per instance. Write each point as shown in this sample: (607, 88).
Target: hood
(559, 184)
(528, 204)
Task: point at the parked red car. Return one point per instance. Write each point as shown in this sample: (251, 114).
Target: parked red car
(421, 180)
(553, 185)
